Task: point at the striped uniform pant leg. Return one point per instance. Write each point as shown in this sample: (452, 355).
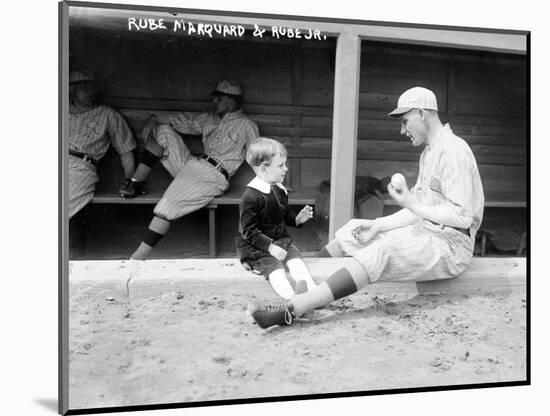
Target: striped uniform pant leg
(175, 152)
(409, 254)
(82, 180)
(192, 189)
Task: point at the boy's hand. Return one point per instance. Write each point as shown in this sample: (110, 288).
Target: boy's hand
(277, 252)
(304, 215)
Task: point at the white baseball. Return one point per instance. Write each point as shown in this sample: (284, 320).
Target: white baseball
(398, 182)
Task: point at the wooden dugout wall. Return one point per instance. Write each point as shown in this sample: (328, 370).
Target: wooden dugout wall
(293, 90)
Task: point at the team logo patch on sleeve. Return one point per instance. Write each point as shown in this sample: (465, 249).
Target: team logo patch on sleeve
(435, 185)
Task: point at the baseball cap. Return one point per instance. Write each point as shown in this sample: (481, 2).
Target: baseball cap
(80, 77)
(417, 97)
(226, 87)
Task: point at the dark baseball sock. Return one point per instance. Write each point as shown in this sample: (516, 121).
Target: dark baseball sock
(147, 162)
(343, 282)
(157, 229)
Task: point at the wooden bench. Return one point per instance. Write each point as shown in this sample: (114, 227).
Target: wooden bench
(107, 193)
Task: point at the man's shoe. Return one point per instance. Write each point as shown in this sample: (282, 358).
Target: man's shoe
(132, 189)
(269, 315)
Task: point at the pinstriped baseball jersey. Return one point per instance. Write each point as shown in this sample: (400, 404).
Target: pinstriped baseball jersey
(196, 182)
(426, 251)
(92, 132)
(449, 175)
(223, 139)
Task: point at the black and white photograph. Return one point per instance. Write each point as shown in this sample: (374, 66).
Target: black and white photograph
(278, 208)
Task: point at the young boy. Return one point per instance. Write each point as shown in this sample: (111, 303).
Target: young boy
(264, 243)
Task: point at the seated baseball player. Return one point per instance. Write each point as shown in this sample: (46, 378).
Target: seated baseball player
(264, 243)
(92, 129)
(197, 180)
(431, 237)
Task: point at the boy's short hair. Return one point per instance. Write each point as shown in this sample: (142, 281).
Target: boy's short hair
(263, 150)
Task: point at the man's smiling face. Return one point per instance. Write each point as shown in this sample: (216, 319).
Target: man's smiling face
(412, 126)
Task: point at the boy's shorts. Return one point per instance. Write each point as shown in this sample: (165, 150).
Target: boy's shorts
(267, 264)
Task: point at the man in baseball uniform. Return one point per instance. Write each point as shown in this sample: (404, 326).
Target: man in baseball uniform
(431, 237)
(92, 129)
(197, 180)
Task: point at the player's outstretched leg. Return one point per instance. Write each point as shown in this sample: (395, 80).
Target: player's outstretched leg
(332, 249)
(150, 157)
(343, 282)
(157, 229)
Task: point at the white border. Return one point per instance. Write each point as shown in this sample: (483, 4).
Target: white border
(29, 206)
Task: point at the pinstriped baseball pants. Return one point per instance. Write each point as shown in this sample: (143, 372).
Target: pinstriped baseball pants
(422, 251)
(196, 182)
(82, 180)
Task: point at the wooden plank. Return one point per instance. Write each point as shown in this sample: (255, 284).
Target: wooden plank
(498, 180)
(319, 116)
(404, 145)
(346, 104)
(320, 153)
(106, 196)
(293, 175)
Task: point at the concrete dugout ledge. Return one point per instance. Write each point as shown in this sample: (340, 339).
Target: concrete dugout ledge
(157, 277)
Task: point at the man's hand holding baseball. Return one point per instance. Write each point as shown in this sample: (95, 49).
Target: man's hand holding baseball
(402, 196)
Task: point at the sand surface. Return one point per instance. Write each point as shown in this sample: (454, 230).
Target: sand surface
(194, 342)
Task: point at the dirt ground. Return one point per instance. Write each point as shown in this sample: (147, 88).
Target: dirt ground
(195, 342)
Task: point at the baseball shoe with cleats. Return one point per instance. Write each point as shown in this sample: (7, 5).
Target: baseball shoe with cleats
(131, 189)
(269, 315)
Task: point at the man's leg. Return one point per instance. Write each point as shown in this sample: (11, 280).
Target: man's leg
(343, 282)
(82, 180)
(157, 229)
(150, 157)
(399, 255)
(167, 142)
(192, 189)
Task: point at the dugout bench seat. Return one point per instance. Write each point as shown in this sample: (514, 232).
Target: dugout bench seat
(107, 193)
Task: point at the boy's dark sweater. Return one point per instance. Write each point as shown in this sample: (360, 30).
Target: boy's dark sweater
(263, 220)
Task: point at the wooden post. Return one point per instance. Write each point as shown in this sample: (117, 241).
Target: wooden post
(212, 232)
(344, 130)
